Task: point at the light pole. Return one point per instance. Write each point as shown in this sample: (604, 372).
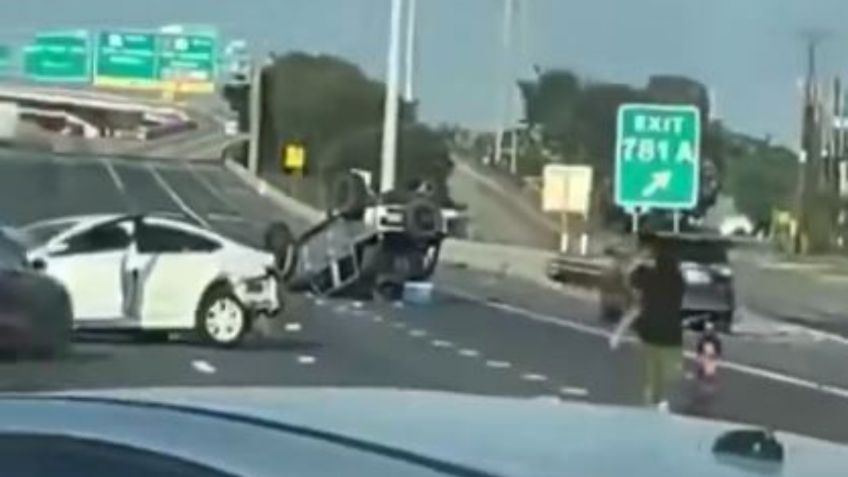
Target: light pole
(409, 60)
(505, 78)
(388, 156)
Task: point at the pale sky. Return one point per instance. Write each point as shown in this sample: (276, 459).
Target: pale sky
(749, 52)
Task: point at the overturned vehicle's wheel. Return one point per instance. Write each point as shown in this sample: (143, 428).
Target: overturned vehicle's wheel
(280, 242)
(348, 196)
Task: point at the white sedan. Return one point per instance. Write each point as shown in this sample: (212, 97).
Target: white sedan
(153, 273)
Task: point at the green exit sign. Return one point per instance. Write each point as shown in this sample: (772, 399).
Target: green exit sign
(188, 58)
(5, 59)
(126, 59)
(657, 156)
(59, 57)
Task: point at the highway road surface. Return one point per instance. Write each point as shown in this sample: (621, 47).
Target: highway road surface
(480, 335)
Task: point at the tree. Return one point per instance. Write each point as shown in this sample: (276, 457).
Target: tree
(334, 110)
(760, 178)
(422, 155)
(578, 122)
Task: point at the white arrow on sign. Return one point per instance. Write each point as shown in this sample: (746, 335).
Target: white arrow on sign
(660, 180)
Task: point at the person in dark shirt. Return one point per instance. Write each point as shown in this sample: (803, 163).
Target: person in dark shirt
(657, 321)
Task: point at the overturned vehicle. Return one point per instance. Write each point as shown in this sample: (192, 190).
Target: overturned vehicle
(368, 246)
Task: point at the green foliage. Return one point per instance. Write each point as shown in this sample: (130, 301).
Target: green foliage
(422, 155)
(577, 121)
(760, 177)
(334, 110)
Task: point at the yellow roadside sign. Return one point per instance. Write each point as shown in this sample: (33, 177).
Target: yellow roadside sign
(294, 157)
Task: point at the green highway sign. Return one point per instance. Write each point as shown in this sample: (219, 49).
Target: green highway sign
(126, 58)
(59, 56)
(188, 57)
(5, 59)
(657, 156)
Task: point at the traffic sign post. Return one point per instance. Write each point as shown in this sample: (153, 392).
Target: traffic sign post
(127, 59)
(657, 157)
(59, 57)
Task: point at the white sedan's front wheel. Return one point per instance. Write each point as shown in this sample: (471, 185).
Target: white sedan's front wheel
(221, 318)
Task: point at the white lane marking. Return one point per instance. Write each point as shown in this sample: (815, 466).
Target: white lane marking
(399, 325)
(469, 353)
(358, 304)
(320, 301)
(573, 391)
(398, 304)
(340, 309)
(738, 367)
(417, 333)
(208, 185)
(534, 377)
(441, 344)
(293, 327)
(377, 319)
(176, 197)
(119, 183)
(202, 366)
(540, 317)
(498, 364)
(306, 359)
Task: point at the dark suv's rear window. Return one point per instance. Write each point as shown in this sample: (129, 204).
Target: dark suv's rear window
(702, 252)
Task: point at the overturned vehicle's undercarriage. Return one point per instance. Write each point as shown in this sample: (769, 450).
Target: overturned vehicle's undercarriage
(369, 245)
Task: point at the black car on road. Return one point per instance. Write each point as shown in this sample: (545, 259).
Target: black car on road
(35, 310)
(709, 292)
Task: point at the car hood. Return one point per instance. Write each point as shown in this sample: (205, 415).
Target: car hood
(503, 436)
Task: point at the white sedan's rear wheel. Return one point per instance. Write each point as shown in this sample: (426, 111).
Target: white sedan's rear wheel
(221, 319)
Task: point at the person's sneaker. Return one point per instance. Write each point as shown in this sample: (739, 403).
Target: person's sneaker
(663, 406)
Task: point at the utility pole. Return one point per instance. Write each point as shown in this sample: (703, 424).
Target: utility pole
(505, 79)
(388, 158)
(255, 108)
(811, 145)
(410, 58)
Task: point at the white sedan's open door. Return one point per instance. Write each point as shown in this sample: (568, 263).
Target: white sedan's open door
(89, 264)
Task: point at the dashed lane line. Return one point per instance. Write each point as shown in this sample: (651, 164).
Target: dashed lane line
(306, 359)
(203, 366)
(534, 377)
(116, 179)
(498, 364)
(574, 391)
(176, 197)
(469, 353)
(441, 344)
(601, 333)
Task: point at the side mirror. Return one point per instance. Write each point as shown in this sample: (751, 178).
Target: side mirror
(56, 248)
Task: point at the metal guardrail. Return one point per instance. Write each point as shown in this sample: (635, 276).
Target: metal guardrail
(577, 271)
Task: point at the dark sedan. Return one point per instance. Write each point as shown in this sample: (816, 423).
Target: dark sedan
(35, 310)
(709, 293)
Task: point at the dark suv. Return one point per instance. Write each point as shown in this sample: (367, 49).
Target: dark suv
(709, 293)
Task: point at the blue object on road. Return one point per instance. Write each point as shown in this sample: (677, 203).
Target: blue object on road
(418, 293)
